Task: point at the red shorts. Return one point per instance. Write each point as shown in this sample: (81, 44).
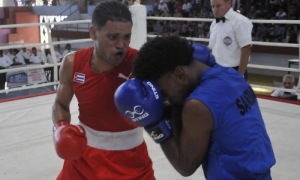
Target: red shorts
(98, 164)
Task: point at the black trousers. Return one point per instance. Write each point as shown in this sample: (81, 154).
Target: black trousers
(50, 73)
(246, 72)
(2, 79)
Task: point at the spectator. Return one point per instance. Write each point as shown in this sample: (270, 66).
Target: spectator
(36, 57)
(67, 50)
(186, 7)
(281, 14)
(177, 13)
(252, 13)
(50, 70)
(162, 6)
(288, 83)
(25, 54)
(292, 13)
(50, 57)
(178, 5)
(17, 58)
(171, 7)
(5, 62)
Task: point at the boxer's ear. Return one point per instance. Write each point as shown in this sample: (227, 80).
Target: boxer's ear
(179, 73)
(93, 31)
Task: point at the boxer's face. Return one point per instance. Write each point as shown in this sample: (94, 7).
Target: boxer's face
(220, 7)
(111, 41)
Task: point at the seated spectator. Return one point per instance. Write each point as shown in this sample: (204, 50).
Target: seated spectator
(178, 5)
(292, 13)
(26, 54)
(291, 33)
(281, 14)
(7, 52)
(17, 58)
(262, 32)
(50, 58)
(5, 62)
(150, 27)
(204, 13)
(68, 50)
(177, 13)
(162, 6)
(288, 83)
(165, 13)
(186, 7)
(171, 7)
(36, 57)
(252, 13)
(276, 32)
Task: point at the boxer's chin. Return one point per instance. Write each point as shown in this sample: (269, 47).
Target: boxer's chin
(117, 59)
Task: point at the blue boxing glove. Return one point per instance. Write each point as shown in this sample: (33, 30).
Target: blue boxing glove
(142, 103)
(202, 54)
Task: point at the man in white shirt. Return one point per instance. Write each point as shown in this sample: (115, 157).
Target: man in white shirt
(50, 58)
(5, 62)
(281, 14)
(162, 6)
(230, 36)
(186, 7)
(17, 58)
(25, 53)
(36, 57)
(288, 83)
(68, 50)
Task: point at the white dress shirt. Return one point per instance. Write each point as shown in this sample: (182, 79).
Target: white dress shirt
(26, 54)
(5, 61)
(227, 38)
(38, 58)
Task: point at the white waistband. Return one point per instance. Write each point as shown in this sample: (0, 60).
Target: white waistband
(114, 140)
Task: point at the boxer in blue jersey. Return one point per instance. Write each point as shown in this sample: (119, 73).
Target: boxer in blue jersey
(219, 126)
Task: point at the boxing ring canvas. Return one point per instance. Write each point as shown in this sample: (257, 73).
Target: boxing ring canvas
(27, 150)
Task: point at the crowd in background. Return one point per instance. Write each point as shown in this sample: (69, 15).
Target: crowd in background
(273, 10)
(13, 58)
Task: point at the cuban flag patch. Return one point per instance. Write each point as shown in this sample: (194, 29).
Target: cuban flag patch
(79, 77)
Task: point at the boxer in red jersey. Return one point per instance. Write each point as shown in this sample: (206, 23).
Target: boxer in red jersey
(104, 145)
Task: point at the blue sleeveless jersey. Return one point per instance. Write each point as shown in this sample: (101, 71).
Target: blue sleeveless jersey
(240, 148)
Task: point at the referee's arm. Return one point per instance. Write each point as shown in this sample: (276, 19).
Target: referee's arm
(245, 53)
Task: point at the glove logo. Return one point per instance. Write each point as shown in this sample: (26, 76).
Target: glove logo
(154, 90)
(157, 134)
(137, 110)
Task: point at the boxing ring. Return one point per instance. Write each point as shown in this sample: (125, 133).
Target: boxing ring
(26, 146)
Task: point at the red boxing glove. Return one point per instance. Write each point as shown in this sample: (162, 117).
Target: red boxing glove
(69, 140)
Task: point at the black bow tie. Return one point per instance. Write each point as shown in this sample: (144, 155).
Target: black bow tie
(219, 19)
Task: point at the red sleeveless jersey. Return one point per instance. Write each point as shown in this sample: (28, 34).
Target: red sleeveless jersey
(95, 92)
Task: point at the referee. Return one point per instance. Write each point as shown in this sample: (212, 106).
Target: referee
(230, 36)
